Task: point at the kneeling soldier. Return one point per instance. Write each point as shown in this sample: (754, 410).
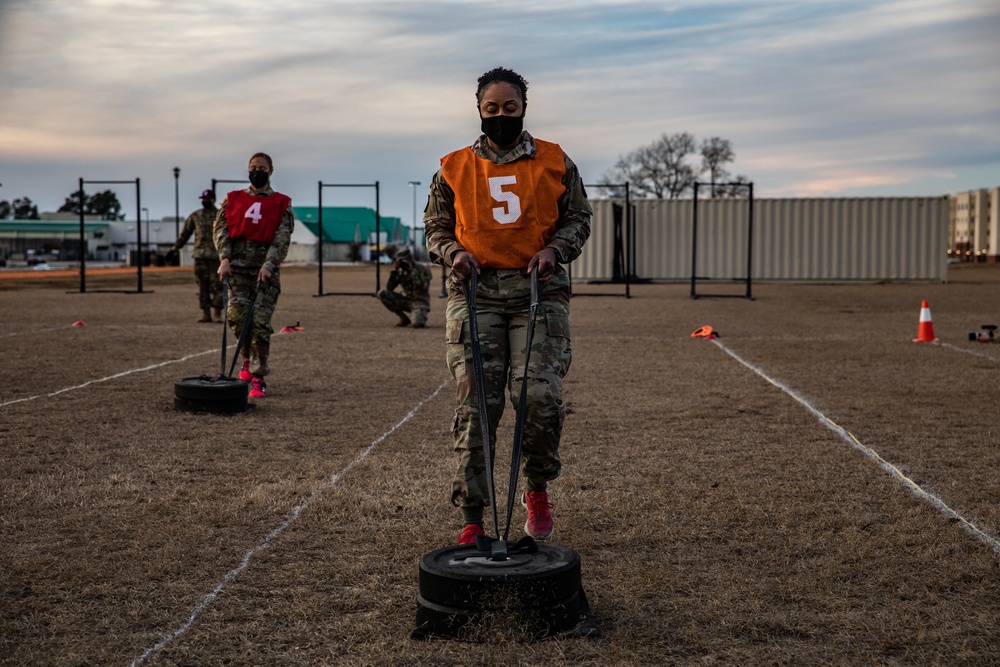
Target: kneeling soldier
(414, 280)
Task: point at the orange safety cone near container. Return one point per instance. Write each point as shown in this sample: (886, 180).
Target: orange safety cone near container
(925, 330)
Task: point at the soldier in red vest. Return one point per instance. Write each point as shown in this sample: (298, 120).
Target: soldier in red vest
(252, 233)
(506, 206)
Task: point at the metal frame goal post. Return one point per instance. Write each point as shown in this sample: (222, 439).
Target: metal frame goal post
(715, 226)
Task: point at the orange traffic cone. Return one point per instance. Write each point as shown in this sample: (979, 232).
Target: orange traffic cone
(705, 332)
(925, 330)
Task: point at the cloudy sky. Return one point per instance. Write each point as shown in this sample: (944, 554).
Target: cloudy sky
(819, 98)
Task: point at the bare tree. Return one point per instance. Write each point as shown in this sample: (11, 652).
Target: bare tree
(657, 170)
(715, 153)
(671, 152)
(661, 170)
(735, 188)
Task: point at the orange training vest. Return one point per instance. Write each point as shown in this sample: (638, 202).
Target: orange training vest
(506, 213)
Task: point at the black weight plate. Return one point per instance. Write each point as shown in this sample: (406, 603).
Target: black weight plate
(204, 388)
(547, 576)
(437, 620)
(227, 406)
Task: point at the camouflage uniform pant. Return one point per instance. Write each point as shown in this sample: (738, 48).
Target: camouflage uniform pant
(400, 303)
(242, 283)
(206, 272)
(503, 302)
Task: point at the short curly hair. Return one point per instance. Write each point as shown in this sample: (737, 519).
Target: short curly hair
(502, 74)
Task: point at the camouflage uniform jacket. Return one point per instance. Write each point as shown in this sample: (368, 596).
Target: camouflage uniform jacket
(415, 284)
(245, 253)
(574, 210)
(200, 224)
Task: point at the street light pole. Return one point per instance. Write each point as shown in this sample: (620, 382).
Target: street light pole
(177, 202)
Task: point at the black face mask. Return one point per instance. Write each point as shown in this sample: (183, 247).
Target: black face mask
(503, 130)
(208, 203)
(259, 179)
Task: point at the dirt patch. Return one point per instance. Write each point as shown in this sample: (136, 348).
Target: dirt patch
(719, 517)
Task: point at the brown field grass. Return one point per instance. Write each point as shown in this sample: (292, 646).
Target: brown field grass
(719, 517)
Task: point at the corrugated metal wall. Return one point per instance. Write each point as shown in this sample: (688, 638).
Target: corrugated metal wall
(828, 240)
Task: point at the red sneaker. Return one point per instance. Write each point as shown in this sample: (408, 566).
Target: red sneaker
(469, 533)
(258, 388)
(245, 373)
(539, 524)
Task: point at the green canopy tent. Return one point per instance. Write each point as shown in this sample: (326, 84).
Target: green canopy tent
(345, 225)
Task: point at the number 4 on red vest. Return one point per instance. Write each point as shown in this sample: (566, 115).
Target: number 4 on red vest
(255, 217)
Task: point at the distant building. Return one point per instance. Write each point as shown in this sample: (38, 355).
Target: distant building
(55, 236)
(348, 232)
(973, 229)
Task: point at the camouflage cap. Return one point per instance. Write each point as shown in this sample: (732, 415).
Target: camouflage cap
(403, 253)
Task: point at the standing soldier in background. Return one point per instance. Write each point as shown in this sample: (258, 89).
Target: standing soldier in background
(252, 233)
(205, 256)
(415, 281)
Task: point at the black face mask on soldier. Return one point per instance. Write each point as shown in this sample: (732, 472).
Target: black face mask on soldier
(208, 203)
(503, 130)
(259, 179)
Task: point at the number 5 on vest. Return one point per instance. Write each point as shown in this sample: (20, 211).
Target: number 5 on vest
(511, 210)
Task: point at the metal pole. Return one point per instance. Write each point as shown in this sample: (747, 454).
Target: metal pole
(177, 202)
(319, 239)
(750, 245)
(322, 185)
(138, 230)
(83, 252)
(629, 244)
(378, 263)
(138, 226)
(694, 240)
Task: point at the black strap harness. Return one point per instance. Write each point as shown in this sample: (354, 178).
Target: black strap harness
(497, 548)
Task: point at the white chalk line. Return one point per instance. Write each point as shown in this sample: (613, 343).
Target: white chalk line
(849, 437)
(37, 331)
(109, 377)
(967, 351)
(274, 534)
(116, 376)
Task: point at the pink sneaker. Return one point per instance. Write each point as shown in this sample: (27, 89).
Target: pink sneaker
(258, 388)
(245, 373)
(539, 524)
(469, 533)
